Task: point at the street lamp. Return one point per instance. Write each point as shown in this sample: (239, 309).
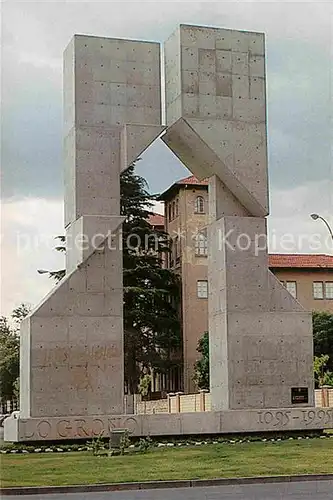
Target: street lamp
(316, 217)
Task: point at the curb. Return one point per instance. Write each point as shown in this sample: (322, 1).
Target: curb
(150, 485)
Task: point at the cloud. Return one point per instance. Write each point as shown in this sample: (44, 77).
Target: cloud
(291, 230)
(28, 229)
(298, 63)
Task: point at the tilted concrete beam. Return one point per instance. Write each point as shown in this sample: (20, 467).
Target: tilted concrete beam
(72, 343)
(260, 336)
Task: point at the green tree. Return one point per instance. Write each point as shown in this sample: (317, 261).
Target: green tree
(144, 385)
(10, 352)
(328, 378)
(151, 293)
(323, 335)
(60, 273)
(201, 367)
(322, 375)
(20, 313)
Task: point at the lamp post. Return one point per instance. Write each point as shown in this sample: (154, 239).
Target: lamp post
(316, 217)
(324, 392)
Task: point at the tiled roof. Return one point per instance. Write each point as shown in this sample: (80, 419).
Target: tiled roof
(301, 260)
(156, 220)
(193, 180)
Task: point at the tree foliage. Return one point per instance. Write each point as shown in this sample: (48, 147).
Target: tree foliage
(322, 375)
(144, 384)
(201, 367)
(10, 352)
(151, 292)
(323, 336)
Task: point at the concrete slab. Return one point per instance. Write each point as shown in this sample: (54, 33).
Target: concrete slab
(180, 424)
(260, 336)
(72, 343)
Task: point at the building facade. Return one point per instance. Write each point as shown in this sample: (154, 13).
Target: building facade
(186, 218)
(308, 277)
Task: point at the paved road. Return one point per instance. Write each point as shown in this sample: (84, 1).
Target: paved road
(321, 490)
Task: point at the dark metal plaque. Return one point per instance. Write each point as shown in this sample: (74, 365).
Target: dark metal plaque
(299, 395)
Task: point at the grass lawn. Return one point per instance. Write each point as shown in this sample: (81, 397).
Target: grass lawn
(313, 456)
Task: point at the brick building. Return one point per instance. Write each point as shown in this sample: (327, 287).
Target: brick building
(308, 277)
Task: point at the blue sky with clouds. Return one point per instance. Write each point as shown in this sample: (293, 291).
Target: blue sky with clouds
(299, 79)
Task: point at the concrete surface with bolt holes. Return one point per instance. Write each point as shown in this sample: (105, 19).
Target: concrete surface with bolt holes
(72, 374)
(170, 424)
(260, 336)
(317, 490)
(72, 343)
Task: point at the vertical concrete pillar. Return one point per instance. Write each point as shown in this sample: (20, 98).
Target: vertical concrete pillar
(129, 404)
(260, 337)
(202, 396)
(177, 409)
(153, 380)
(325, 396)
(178, 394)
(72, 343)
(170, 396)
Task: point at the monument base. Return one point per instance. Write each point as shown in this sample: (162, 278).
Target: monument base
(18, 429)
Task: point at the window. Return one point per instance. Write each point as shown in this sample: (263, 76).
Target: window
(176, 246)
(318, 290)
(174, 254)
(170, 258)
(201, 245)
(173, 209)
(329, 290)
(292, 288)
(176, 250)
(202, 289)
(199, 205)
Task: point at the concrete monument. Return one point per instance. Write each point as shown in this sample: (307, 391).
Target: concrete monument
(260, 337)
(72, 343)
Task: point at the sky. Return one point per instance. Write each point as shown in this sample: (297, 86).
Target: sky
(299, 50)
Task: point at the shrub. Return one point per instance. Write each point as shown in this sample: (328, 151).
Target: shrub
(145, 444)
